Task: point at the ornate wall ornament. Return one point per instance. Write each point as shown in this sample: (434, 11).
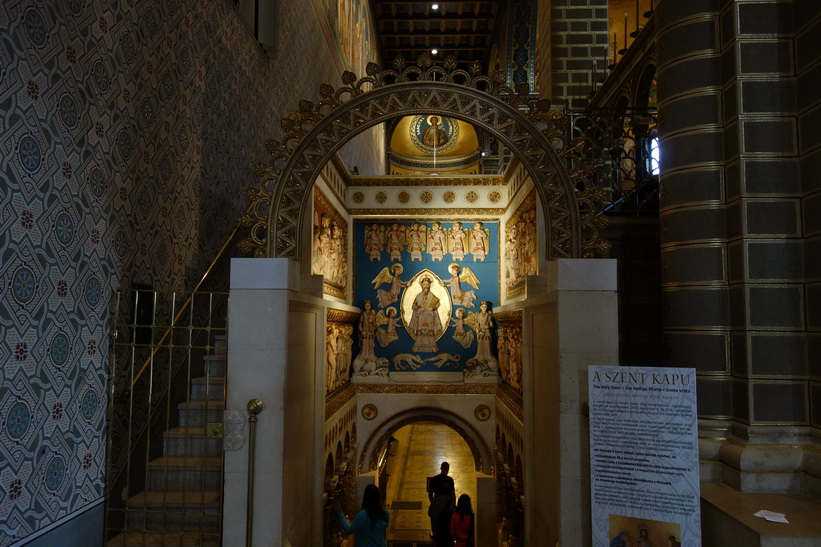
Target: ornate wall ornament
(482, 413)
(234, 430)
(316, 131)
(439, 212)
(342, 316)
(463, 180)
(428, 389)
(512, 316)
(511, 400)
(369, 412)
(338, 399)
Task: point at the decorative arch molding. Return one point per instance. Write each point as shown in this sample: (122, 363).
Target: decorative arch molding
(482, 455)
(536, 135)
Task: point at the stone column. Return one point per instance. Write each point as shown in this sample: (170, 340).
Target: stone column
(572, 326)
(272, 357)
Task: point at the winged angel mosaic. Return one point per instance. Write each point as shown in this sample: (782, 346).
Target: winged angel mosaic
(429, 308)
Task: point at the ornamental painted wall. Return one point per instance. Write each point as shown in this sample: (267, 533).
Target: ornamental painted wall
(123, 158)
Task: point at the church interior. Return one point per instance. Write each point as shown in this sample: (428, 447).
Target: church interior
(258, 255)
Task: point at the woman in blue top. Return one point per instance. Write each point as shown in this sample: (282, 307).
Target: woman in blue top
(370, 523)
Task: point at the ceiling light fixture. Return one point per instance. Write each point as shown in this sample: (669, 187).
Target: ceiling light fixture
(434, 51)
(434, 7)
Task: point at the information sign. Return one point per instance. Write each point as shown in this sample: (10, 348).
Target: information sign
(644, 457)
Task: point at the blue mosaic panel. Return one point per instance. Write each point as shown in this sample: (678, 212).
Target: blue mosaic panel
(368, 268)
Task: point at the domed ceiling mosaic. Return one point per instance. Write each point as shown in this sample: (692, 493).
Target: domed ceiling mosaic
(427, 144)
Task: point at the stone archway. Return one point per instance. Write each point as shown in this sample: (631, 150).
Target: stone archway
(537, 135)
(479, 447)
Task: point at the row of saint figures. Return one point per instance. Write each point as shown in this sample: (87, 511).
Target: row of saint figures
(416, 239)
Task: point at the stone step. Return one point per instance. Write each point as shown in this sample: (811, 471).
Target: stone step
(136, 538)
(198, 413)
(171, 473)
(176, 511)
(215, 364)
(208, 387)
(220, 344)
(191, 441)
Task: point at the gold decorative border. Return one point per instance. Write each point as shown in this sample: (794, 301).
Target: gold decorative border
(428, 389)
(398, 180)
(511, 400)
(342, 316)
(338, 399)
(490, 212)
(512, 316)
(341, 169)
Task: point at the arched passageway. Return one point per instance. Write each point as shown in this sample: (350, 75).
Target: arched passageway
(416, 452)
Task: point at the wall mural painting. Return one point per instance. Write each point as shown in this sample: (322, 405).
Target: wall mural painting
(521, 246)
(422, 309)
(509, 351)
(329, 247)
(351, 23)
(338, 354)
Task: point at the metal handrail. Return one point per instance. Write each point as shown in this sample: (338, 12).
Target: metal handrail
(183, 308)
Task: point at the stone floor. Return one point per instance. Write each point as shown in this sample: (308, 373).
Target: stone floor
(421, 448)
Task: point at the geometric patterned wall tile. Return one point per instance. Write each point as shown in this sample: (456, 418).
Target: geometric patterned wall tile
(127, 132)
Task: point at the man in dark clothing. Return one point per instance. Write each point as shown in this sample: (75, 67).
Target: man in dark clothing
(441, 482)
(442, 496)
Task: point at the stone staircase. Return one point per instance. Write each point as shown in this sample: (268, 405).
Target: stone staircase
(182, 504)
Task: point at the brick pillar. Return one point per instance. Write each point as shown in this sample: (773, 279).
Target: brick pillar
(808, 82)
(732, 235)
(693, 212)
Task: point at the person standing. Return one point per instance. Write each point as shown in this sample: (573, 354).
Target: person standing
(461, 523)
(370, 522)
(441, 493)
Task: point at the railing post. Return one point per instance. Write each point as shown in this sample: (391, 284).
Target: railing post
(254, 408)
